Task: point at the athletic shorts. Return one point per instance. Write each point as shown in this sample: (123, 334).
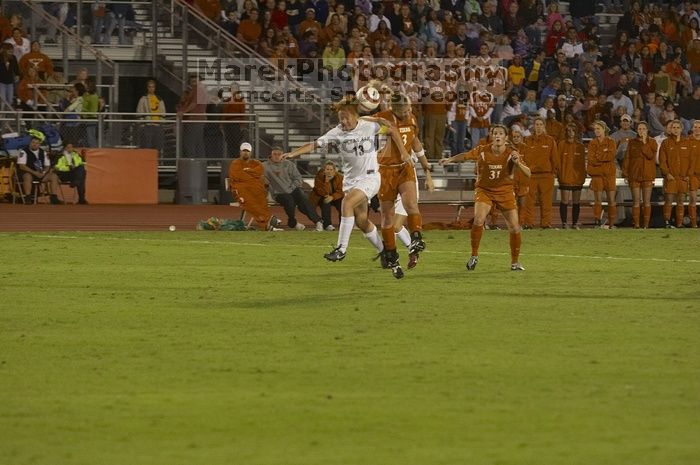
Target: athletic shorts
(563, 187)
(398, 205)
(603, 183)
(368, 184)
(677, 186)
(694, 183)
(503, 200)
(641, 184)
(392, 178)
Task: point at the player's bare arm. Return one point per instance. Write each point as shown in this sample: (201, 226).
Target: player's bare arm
(422, 159)
(517, 160)
(304, 149)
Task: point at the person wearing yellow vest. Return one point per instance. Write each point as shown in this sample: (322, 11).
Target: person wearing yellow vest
(70, 167)
(152, 108)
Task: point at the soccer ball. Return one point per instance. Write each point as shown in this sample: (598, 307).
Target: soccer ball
(368, 98)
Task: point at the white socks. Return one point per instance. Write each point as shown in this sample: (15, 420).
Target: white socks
(375, 238)
(344, 231)
(404, 236)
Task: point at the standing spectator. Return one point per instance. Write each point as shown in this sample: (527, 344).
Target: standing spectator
(285, 187)
(601, 169)
(99, 19)
(20, 45)
(9, 75)
(117, 17)
(622, 137)
(327, 193)
(674, 162)
(639, 169)
(572, 174)
(152, 107)
(192, 107)
(543, 161)
(89, 111)
(234, 109)
(481, 103)
(38, 60)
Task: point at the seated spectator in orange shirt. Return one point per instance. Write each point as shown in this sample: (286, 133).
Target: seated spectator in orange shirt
(28, 91)
(247, 184)
(290, 42)
(250, 29)
(38, 60)
(327, 193)
(310, 23)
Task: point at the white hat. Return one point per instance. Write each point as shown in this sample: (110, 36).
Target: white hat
(246, 146)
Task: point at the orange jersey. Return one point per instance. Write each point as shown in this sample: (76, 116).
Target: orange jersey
(695, 155)
(674, 157)
(572, 163)
(639, 164)
(601, 157)
(407, 131)
(521, 181)
(542, 154)
(494, 171)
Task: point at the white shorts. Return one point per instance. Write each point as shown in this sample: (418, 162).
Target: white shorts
(368, 184)
(398, 205)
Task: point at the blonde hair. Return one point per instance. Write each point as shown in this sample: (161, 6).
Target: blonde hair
(349, 102)
(602, 124)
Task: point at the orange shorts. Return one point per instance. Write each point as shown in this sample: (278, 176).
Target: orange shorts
(641, 184)
(677, 186)
(504, 200)
(694, 183)
(603, 183)
(392, 178)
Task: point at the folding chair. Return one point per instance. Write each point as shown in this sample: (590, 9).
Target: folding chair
(61, 185)
(39, 188)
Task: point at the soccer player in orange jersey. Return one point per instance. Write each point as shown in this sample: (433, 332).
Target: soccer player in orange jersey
(399, 178)
(497, 163)
(639, 170)
(601, 169)
(674, 162)
(694, 140)
(572, 174)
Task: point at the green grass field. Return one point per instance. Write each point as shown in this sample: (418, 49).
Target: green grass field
(248, 348)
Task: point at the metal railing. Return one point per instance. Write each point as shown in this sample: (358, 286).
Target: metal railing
(102, 62)
(212, 138)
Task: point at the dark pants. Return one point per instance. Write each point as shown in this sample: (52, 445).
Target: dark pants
(152, 137)
(326, 209)
(193, 140)
(76, 177)
(295, 199)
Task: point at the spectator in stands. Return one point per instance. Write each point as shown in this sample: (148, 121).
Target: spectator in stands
(59, 10)
(152, 107)
(8, 28)
(234, 129)
(334, 55)
(310, 23)
(70, 168)
(327, 193)
(622, 137)
(28, 91)
(250, 30)
(321, 8)
(34, 164)
(279, 15)
(9, 76)
(285, 187)
(99, 19)
(192, 108)
(36, 59)
(618, 99)
(20, 45)
(490, 20)
(247, 183)
(117, 16)
(89, 111)
(294, 15)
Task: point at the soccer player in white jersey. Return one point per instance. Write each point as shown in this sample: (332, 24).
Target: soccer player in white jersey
(355, 140)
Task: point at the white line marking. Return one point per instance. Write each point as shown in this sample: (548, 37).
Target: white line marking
(464, 252)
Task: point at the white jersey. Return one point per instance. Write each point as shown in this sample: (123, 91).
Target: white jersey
(357, 149)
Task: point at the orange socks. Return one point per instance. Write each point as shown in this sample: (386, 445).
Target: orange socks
(597, 211)
(647, 215)
(680, 210)
(515, 241)
(612, 215)
(389, 238)
(415, 223)
(476, 233)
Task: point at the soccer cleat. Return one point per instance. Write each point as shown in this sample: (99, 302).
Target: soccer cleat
(669, 225)
(299, 227)
(471, 264)
(335, 255)
(576, 226)
(417, 244)
(381, 256)
(516, 267)
(330, 227)
(273, 223)
(412, 260)
(566, 226)
(319, 226)
(392, 259)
